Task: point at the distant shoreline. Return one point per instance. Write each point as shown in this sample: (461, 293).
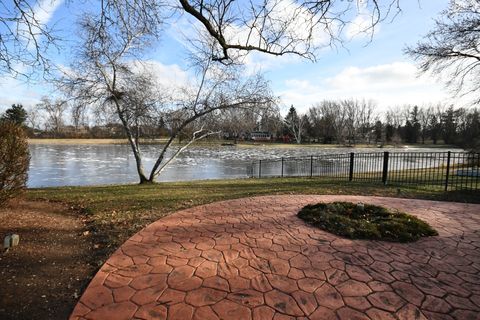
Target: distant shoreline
(240, 144)
(77, 141)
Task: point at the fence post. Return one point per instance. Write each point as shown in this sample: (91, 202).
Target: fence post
(311, 166)
(448, 170)
(352, 158)
(259, 168)
(282, 167)
(385, 167)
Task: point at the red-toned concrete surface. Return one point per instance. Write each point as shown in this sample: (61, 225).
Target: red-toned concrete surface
(254, 259)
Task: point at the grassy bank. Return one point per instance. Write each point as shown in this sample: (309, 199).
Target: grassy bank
(114, 213)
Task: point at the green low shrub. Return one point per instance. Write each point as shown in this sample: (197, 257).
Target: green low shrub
(371, 222)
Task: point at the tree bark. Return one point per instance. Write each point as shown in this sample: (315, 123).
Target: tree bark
(133, 144)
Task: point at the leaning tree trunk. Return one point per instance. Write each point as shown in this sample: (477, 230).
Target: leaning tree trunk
(138, 161)
(133, 144)
(153, 173)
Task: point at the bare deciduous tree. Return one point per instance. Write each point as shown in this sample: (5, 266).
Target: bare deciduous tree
(78, 114)
(270, 120)
(295, 124)
(274, 27)
(234, 122)
(279, 27)
(24, 38)
(33, 117)
(358, 119)
(395, 116)
(352, 114)
(54, 114)
(425, 117)
(452, 48)
(108, 75)
(335, 114)
(219, 88)
(365, 121)
(103, 75)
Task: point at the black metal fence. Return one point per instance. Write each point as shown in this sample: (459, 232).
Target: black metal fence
(449, 170)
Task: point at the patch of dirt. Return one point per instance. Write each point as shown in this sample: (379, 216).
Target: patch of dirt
(44, 276)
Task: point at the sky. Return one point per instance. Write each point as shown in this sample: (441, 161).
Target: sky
(365, 68)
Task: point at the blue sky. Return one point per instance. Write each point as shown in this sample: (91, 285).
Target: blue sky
(376, 69)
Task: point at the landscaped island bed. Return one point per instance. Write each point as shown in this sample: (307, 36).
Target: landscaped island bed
(365, 221)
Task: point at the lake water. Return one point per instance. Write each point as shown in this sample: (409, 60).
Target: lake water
(76, 165)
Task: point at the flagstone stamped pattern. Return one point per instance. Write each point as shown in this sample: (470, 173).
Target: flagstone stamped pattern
(253, 258)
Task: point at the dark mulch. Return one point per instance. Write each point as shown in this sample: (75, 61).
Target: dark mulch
(43, 277)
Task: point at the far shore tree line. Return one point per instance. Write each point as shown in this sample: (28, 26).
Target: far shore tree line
(345, 122)
(351, 122)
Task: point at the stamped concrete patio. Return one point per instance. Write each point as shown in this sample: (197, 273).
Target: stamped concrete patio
(254, 259)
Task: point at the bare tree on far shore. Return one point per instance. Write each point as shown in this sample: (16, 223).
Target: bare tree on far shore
(236, 122)
(336, 115)
(54, 111)
(295, 124)
(425, 118)
(33, 117)
(78, 115)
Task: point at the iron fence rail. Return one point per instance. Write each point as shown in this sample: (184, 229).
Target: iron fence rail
(450, 170)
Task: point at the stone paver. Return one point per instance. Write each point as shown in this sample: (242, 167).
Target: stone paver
(254, 259)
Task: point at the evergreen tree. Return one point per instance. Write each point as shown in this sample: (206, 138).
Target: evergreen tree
(16, 114)
(308, 128)
(435, 129)
(415, 129)
(408, 132)
(449, 125)
(294, 124)
(378, 129)
(389, 132)
(470, 137)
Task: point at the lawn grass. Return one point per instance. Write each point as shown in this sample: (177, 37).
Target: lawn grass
(365, 221)
(114, 213)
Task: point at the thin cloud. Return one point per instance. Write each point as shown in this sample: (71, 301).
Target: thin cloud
(17, 91)
(361, 25)
(45, 9)
(43, 12)
(169, 77)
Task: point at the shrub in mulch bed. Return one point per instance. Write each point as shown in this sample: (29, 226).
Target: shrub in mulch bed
(364, 221)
